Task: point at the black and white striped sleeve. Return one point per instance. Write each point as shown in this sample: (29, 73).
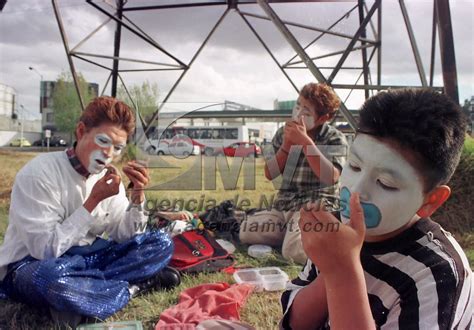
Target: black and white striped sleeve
(434, 285)
(432, 305)
(305, 277)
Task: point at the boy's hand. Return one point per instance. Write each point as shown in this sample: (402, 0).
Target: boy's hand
(333, 245)
(295, 133)
(172, 216)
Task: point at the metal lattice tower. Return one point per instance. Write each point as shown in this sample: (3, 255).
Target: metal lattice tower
(369, 17)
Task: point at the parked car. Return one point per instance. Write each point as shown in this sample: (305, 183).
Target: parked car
(21, 142)
(54, 141)
(150, 146)
(242, 149)
(178, 148)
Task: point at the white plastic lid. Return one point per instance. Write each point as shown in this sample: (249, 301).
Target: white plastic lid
(265, 278)
(259, 250)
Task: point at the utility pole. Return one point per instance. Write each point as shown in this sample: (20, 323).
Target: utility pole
(21, 124)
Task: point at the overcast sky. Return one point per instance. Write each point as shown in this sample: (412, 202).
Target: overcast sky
(233, 66)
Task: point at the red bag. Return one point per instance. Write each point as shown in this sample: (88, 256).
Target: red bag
(197, 251)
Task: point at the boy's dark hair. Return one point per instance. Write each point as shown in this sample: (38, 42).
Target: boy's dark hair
(422, 120)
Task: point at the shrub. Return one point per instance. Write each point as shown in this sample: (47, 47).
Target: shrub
(457, 214)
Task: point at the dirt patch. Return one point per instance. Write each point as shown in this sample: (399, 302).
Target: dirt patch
(5, 194)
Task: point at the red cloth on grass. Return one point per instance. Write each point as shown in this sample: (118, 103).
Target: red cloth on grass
(204, 302)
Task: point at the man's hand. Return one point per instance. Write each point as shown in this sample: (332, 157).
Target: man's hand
(295, 134)
(331, 245)
(172, 216)
(104, 188)
(139, 179)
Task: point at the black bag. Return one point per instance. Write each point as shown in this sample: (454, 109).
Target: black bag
(222, 221)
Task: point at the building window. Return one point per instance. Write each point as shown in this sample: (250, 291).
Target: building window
(50, 117)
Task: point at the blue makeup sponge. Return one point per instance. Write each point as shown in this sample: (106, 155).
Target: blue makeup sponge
(372, 215)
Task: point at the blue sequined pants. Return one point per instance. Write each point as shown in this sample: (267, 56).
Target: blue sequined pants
(91, 281)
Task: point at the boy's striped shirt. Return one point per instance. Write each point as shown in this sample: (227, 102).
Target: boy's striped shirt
(419, 279)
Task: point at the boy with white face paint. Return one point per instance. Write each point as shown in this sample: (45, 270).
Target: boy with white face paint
(388, 265)
(63, 207)
(308, 154)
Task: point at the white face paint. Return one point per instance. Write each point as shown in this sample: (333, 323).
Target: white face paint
(97, 162)
(391, 191)
(301, 111)
(97, 159)
(104, 141)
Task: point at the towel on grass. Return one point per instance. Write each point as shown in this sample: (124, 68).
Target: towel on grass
(204, 302)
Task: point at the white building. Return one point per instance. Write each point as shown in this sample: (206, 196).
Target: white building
(12, 123)
(7, 100)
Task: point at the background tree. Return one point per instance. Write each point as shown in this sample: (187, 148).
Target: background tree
(144, 97)
(467, 107)
(66, 105)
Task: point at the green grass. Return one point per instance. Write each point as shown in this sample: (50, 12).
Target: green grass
(262, 310)
(456, 214)
(470, 256)
(469, 145)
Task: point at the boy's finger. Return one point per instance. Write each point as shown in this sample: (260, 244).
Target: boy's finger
(357, 214)
(317, 210)
(324, 216)
(305, 217)
(301, 121)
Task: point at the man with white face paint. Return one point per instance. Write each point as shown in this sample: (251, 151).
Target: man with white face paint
(309, 154)
(72, 226)
(388, 265)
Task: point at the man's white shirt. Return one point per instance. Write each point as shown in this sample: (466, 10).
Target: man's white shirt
(47, 216)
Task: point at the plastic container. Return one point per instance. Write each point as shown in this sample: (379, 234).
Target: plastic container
(266, 278)
(259, 251)
(125, 325)
(228, 246)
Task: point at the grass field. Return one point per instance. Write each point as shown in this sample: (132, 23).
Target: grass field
(262, 310)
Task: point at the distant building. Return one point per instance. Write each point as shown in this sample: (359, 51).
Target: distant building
(339, 122)
(7, 100)
(8, 115)
(13, 123)
(284, 105)
(46, 103)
